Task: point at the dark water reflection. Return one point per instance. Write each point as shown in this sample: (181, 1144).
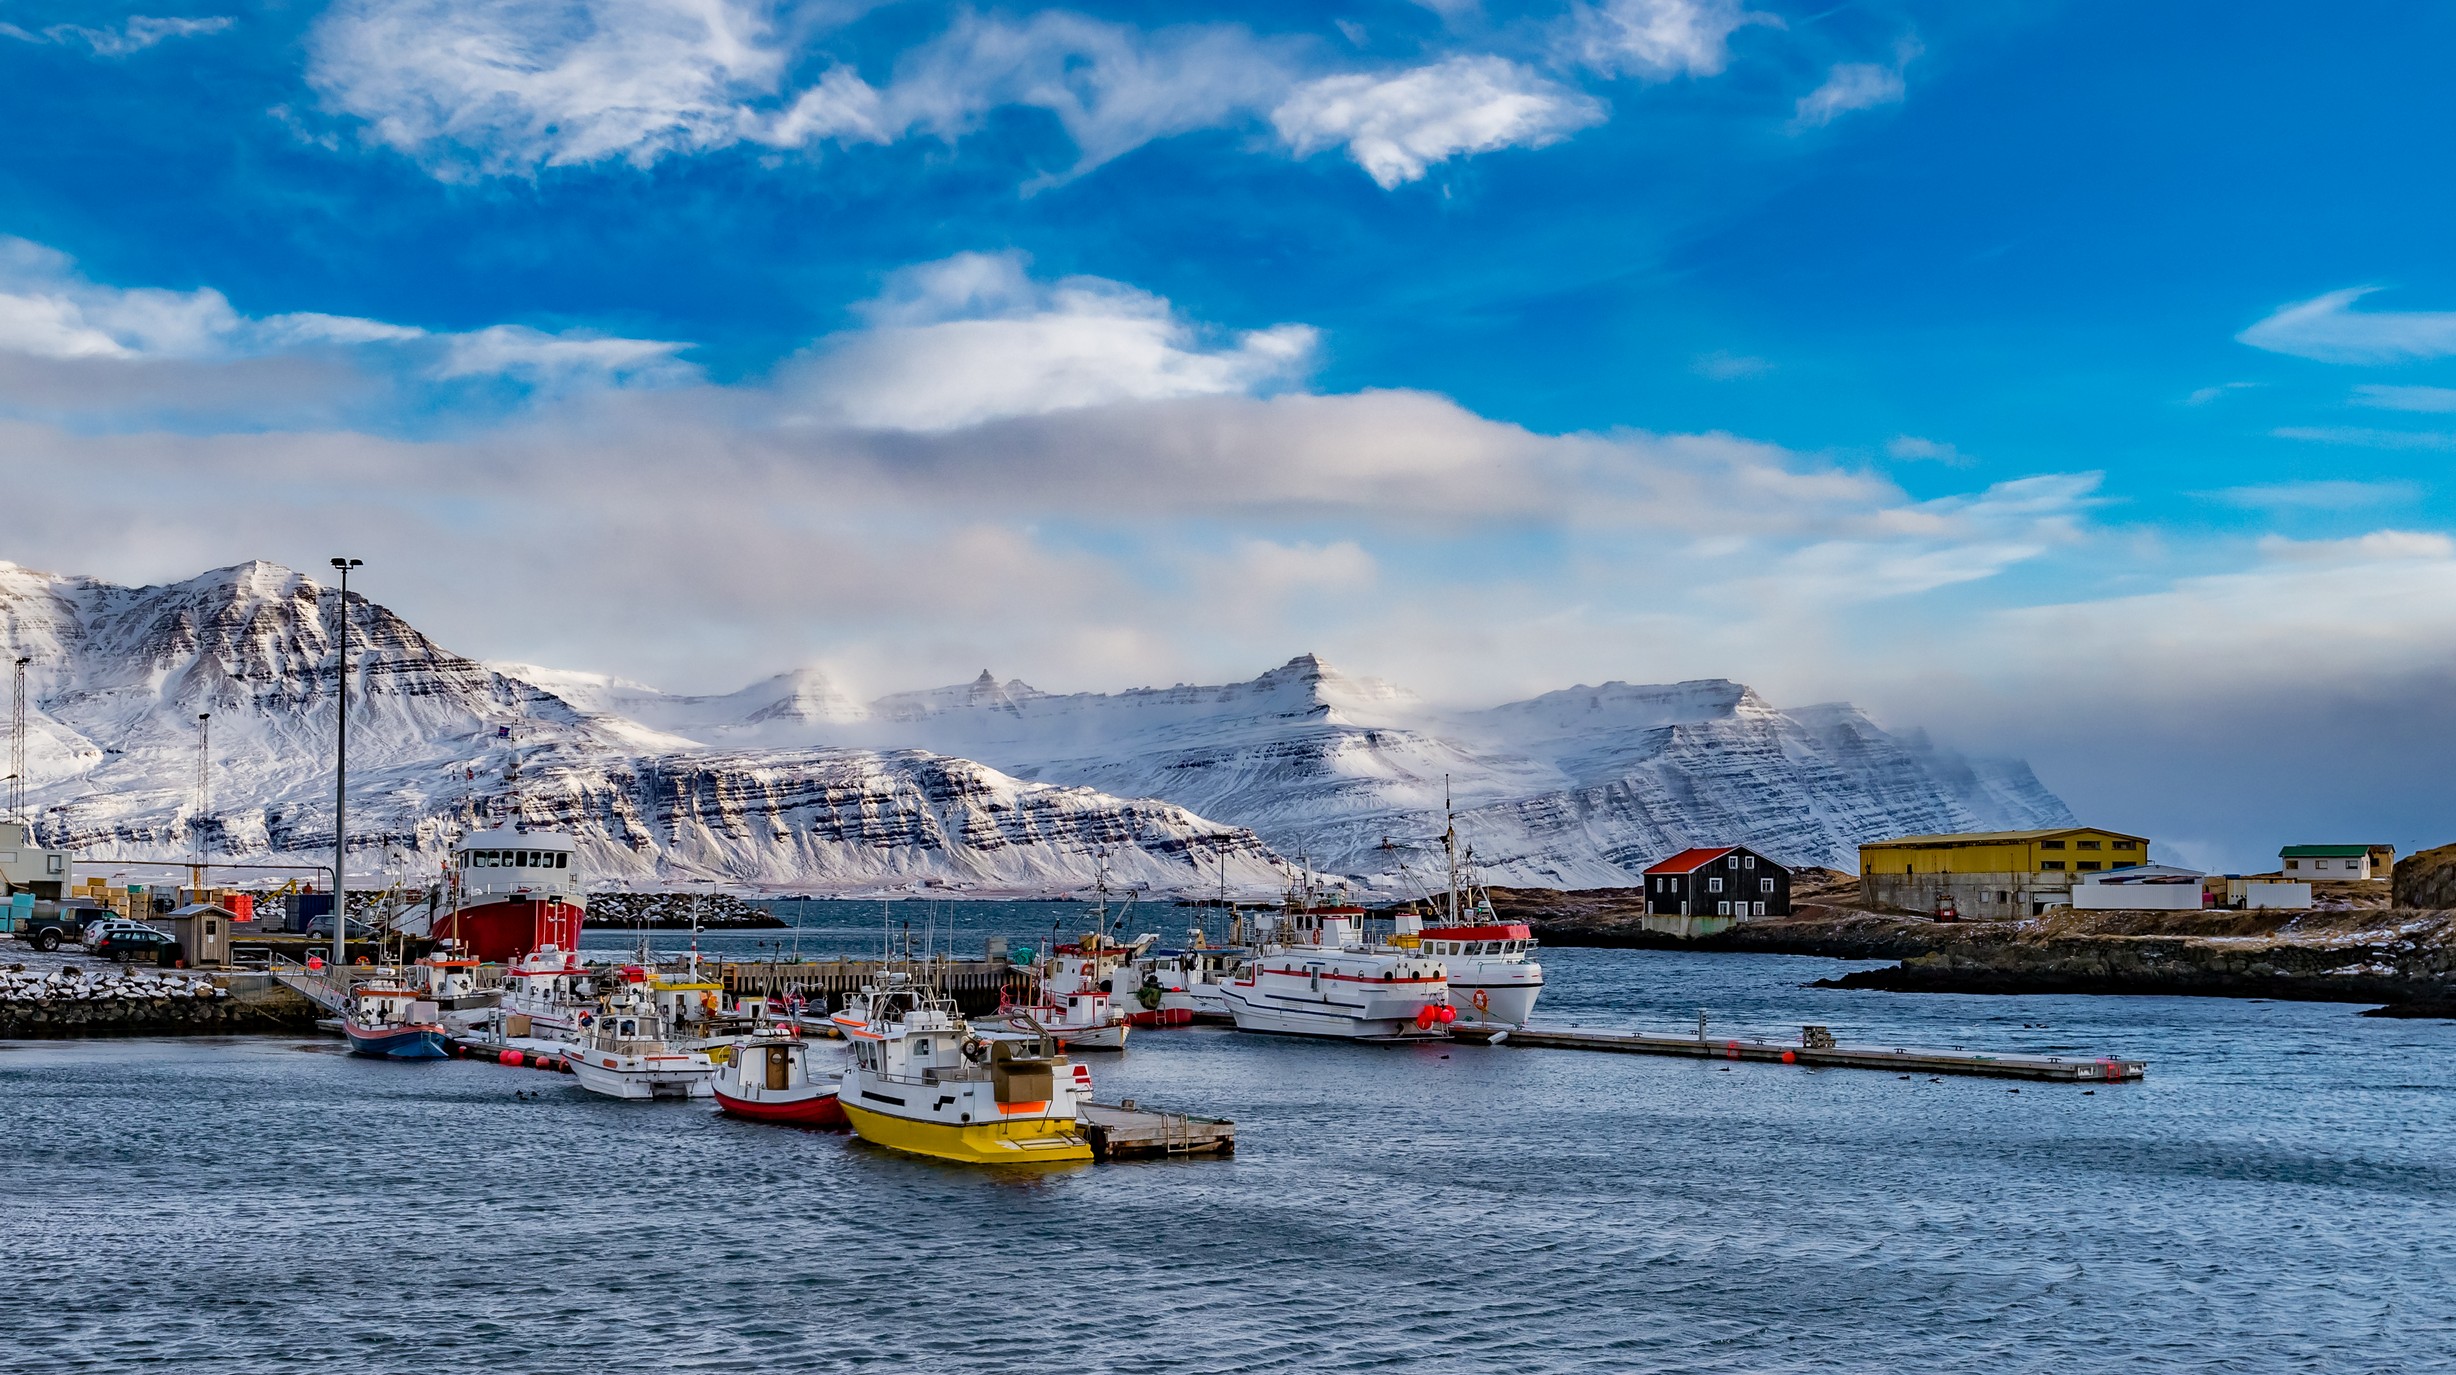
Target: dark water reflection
(2275, 1197)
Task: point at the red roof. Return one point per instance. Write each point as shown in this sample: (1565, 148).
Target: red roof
(1690, 861)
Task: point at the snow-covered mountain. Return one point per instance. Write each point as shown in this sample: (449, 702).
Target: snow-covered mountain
(988, 785)
(119, 677)
(1582, 787)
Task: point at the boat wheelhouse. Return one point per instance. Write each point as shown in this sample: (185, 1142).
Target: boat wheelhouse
(513, 892)
(921, 1080)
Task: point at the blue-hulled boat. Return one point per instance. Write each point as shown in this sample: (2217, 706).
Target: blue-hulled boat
(393, 1023)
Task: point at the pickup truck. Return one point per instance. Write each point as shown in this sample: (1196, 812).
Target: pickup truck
(54, 924)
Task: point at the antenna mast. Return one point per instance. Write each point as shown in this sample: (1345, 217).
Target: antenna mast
(17, 745)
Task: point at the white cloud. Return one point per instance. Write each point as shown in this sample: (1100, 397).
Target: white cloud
(2205, 395)
(1397, 126)
(138, 33)
(525, 83)
(2327, 329)
(973, 338)
(1658, 39)
(511, 86)
(50, 311)
(2434, 399)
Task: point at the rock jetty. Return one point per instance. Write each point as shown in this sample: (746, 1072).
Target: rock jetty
(74, 1002)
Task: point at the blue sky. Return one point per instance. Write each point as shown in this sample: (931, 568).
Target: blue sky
(2011, 369)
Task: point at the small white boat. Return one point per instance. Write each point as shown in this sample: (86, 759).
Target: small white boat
(623, 1053)
(1076, 1004)
(1492, 980)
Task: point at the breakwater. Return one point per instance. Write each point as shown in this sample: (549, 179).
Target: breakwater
(75, 1002)
(2404, 960)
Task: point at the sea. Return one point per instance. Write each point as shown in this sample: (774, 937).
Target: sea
(2275, 1196)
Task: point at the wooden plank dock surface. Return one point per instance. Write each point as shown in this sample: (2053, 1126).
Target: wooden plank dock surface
(1900, 1059)
(1127, 1131)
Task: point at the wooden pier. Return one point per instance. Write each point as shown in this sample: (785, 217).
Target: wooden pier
(1815, 1050)
(1126, 1131)
(973, 984)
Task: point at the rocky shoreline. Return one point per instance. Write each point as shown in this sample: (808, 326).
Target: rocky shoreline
(2402, 959)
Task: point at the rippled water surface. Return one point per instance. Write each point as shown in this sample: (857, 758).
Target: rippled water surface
(2275, 1197)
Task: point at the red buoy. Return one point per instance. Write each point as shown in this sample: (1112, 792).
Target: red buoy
(1789, 1059)
(315, 962)
(509, 1057)
(1449, 1014)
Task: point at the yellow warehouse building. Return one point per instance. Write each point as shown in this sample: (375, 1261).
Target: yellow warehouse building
(1986, 875)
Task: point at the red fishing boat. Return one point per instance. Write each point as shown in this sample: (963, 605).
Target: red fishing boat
(770, 1078)
(512, 892)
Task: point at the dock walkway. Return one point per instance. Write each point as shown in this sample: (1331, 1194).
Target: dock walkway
(1127, 1131)
(1816, 1051)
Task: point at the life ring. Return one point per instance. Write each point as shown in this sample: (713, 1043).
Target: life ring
(362, 962)
(1482, 1000)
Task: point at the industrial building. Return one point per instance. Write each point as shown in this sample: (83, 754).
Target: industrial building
(1991, 875)
(26, 867)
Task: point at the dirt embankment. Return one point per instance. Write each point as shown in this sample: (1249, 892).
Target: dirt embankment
(2403, 958)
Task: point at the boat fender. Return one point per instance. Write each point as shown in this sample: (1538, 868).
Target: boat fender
(1448, 1014)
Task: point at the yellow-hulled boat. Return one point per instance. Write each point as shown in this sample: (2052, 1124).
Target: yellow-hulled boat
(921, 1080)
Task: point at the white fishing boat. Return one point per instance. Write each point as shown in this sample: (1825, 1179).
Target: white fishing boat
(1177, 987)
(545, 993)
(1076, 1002)
(450, 983)
(1319, 979)
(1493, 978)
(922, 1080)
(622, 1052)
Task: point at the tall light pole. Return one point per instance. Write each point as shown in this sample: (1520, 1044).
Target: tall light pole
(204, 799)
(341, 775)
(17, 746)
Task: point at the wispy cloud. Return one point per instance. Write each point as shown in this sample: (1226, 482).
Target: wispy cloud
(1912, 448)
(2324, 495)
(1657, 39)
(2328, 329)
(48, 310)
(2387, 398)
(2206, 395)
(1396, 126)
(2367, 438)
(1853, 86)
(1722, 366)
(136, 34)
(508, 89)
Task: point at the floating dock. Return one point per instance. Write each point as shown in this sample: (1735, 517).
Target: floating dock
(1816, 1051)
(1126, 1131)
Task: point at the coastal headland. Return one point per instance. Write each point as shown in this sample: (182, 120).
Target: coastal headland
(2403, 959)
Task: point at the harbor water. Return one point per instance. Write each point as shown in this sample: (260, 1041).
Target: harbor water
(2276, 1196)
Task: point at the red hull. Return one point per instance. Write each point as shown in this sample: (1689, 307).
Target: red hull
(822, 1111)
(1167, 1016)
(500, 932)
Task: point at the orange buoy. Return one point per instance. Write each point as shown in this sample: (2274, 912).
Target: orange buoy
(1789, 1059)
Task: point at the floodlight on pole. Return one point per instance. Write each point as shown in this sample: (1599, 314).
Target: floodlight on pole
(341, 771)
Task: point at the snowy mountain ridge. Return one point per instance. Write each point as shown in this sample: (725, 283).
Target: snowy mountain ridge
(985, 786)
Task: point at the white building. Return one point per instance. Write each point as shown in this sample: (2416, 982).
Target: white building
(2140, 888)
(2341, 862)
(26, 867)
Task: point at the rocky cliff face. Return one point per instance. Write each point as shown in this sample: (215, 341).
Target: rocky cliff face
(2426, 879)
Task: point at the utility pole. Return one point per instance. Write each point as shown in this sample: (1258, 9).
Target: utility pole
(341, 773)
(204, 799)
